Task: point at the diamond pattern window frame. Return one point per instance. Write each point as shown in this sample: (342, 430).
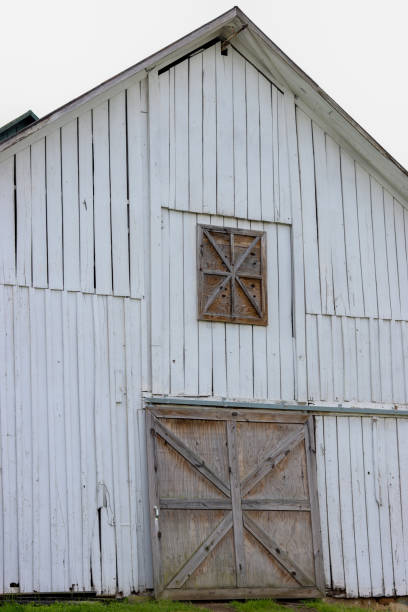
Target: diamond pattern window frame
(232, 281)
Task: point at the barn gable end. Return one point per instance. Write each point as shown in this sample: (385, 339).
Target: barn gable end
(99, 209)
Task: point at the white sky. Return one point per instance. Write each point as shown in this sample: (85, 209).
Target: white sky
(52, 51)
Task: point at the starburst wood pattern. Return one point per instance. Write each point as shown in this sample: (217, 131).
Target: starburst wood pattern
(231, 275)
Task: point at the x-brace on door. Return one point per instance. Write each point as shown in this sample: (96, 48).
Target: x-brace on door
(233, 504)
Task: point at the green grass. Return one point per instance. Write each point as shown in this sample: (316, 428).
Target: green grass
(147, 605)
(256, 605)
(266, 605)
(322, 606)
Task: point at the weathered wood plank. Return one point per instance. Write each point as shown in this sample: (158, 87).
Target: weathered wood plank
(167, 503)
(366, 242)
(181, 79)
(363, 360)
(335, 204)
(201, 553)
(308, 194)
(195, 132)
(56, 428)
(8, 548)
(166, 106)
(54, 211)
(23, 220)
(102, 227)
(103, 444)
(314, 502)
(228, 414)
(24, 441)
(190, 456)
(253, 142)
(225, 136)
(394, 504)
(239, 548)
(298, 297)
(286, 177)
(322, 495)
(242, 593)
(86, 204)
(136, 443)
(273, 329)
(154, 500)
(333, 505)
(176, 300)
(271, 459)
(259, 339)
(39, 214)
(266, 148)
(118, 423)
(72, 433)
(70, 205)
(392, 255)
(232, 350)
(351, 235)
(324, 221)
(155, 232)
(189, 237)
(91, 560)
(41, 544)
(373, 524)
(119, 198)
(359, 508)
(204, 344)
(277, 553)
(381, 267)
(240, 135)
(285, 313)
(209, 130)
(401, 258)
(346, 507)
(7, 222)
(380, 453)
(138, 187)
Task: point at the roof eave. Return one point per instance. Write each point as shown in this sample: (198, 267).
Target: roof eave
(194, 38)
(384, 163)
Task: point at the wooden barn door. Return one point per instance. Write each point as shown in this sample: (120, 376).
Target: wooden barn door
(233, 504)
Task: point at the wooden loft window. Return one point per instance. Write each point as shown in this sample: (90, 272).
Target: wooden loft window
(231, 275)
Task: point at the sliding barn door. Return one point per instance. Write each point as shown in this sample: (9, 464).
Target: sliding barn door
(233, 504)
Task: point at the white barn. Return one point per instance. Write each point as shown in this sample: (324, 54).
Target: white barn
(107, 312)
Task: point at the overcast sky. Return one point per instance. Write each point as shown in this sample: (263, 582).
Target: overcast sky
(52, 51)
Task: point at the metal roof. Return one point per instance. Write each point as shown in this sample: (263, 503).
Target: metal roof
(17, 125)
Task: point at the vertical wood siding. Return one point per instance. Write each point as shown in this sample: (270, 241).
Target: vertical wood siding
(71, 443)
(357, 360)
(73, 203)
(104, 210)
(223, 142)
(354, 233)
(363, 502)
(231, 360)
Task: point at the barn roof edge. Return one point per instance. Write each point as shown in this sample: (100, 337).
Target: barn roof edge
(393, 171)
